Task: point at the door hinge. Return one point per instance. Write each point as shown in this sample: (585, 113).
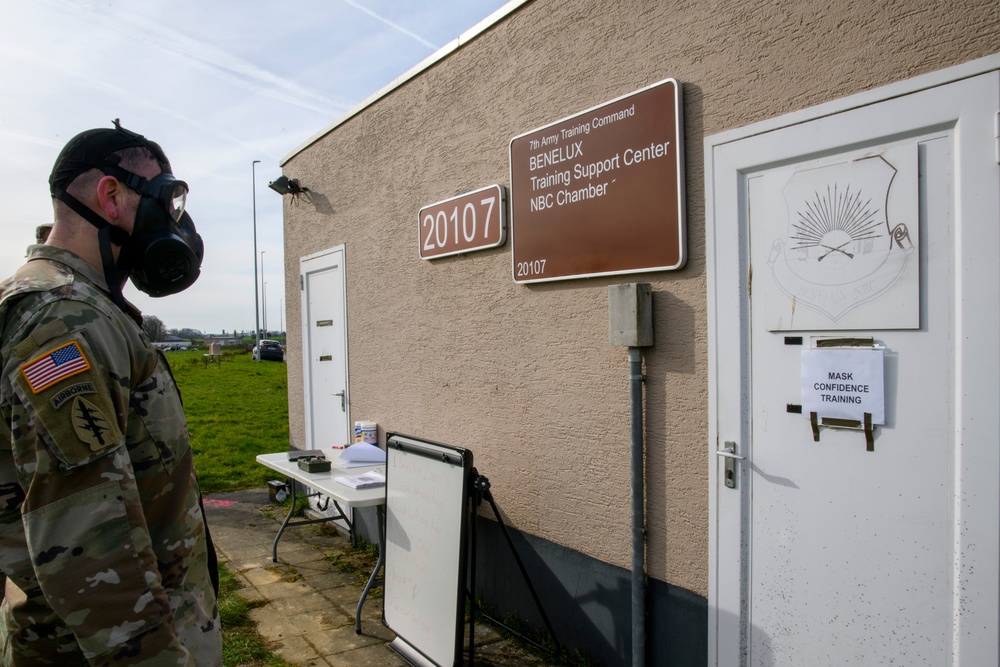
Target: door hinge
(996, 136)
(302, 283)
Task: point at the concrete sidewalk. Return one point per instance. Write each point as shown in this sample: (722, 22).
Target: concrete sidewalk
(308, 606)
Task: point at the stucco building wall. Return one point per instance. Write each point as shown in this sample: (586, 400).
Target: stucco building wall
(453, 350)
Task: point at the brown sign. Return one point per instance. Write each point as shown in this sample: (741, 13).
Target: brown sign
(473, 221)
(601, 192)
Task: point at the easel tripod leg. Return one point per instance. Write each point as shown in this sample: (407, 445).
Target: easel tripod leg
(481, 489)
(520, 565)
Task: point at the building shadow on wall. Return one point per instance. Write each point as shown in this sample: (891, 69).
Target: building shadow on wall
(580, 604)
(588, 602)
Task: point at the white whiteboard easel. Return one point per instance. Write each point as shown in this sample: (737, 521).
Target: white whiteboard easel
(427, 516)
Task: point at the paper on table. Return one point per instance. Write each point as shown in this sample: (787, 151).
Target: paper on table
(344, 465)
(363, 452)
(366, 480)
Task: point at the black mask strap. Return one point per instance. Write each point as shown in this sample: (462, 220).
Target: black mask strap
(106, 235)
(118, 236)
(111, 274)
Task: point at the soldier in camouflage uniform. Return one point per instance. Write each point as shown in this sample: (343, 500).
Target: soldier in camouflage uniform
(102, 535)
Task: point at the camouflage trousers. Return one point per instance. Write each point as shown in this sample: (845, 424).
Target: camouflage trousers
(42, 643)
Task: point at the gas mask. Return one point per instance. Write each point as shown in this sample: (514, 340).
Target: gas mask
(163, 253)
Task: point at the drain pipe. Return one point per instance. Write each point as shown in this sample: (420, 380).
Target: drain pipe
(638, 512)
(630, 324)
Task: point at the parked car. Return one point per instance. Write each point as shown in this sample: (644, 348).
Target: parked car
(270, 350)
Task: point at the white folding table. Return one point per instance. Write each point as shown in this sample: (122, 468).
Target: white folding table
(322, 483)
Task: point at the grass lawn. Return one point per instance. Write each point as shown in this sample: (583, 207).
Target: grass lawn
(235, 410)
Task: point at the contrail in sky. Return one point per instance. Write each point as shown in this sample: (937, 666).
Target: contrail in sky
(394, 26)
(208, 56)
(112, 90)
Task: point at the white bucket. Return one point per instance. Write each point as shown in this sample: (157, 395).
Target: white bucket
(369, 432)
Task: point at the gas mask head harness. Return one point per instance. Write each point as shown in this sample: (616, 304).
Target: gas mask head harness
(163, 253)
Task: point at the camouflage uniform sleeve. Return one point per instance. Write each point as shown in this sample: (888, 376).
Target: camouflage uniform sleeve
(86, 535)
(10, 496)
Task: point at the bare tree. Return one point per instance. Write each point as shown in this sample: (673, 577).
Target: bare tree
(154, 327)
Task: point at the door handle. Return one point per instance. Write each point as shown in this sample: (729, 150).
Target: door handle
(343, 405)
(729, 454)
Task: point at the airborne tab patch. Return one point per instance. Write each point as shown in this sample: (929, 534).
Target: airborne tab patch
(71, 391)
(63, 362)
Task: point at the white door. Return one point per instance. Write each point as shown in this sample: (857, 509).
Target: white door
(324, 354)
(875, 226)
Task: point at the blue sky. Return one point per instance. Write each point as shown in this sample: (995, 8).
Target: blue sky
(218, 84)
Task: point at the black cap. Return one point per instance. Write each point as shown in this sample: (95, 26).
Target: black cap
(95, 149)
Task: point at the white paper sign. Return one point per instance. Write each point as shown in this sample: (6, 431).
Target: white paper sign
(844, 383)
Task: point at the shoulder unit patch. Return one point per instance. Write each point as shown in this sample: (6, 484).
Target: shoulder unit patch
(90, 424)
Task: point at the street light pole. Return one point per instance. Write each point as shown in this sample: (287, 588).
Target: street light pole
(256, 298)
(263, 293)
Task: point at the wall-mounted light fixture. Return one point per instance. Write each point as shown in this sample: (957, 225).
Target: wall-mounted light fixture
(286, 186)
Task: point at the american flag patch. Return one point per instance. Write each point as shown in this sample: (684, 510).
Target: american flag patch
(59, 364)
